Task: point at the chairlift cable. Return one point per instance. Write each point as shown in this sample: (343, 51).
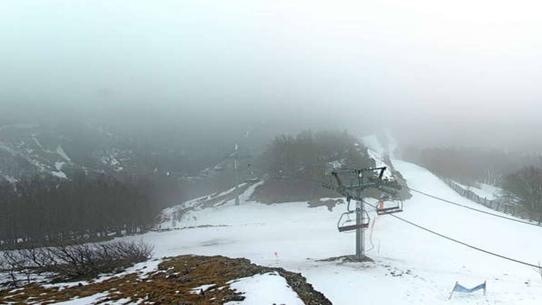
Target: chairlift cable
(538, 267)
(473, 209)
(468, 207)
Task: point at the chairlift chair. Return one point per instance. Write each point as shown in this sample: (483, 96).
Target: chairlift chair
(350, 224)
(384, 209)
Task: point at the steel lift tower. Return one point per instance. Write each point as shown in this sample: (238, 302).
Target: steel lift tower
(354, 184)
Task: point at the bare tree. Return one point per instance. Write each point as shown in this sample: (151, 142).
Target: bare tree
(526, 184)
(64, 263)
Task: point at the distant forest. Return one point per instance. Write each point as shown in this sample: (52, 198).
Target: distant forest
(308, 154)
(526, 186)
(296, 165)
(88, 206)
(519, 175)
(471, 165)
(45, 210)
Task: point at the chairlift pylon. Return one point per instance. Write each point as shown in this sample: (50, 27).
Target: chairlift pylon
(357, 181)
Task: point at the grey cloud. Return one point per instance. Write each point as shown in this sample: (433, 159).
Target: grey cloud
(433, 73)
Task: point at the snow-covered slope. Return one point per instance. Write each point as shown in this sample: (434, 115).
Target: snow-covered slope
(411, 266)
(62, 149)
(27, 150)
(483, 190)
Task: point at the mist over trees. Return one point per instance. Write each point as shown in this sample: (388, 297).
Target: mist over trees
(309, 153)
(471, 165)
(526, 185)
(31, 147)
(519, 175)
(45, 210)
(296, 165)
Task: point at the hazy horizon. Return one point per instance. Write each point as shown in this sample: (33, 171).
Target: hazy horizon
(434, 74)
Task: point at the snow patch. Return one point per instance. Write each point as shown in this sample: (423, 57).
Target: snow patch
(10, 179)
(63, 154)
(8, 149)
(374, 144)
(204, 288)
(37, 142)
(263, 289)
(379, 163)
(59, 174)
(142, 269)
(59, 165)
(230, 190)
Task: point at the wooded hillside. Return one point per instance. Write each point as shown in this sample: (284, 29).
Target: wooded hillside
(47, 210)
(296, 165)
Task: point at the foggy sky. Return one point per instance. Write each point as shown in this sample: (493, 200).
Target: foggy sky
(433, 72)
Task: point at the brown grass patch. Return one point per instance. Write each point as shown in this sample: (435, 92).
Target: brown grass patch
(172, 283)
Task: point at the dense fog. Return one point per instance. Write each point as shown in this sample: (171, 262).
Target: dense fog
(215, 151)
(434, 74)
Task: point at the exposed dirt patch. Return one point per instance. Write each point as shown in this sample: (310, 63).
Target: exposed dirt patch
(175, 282)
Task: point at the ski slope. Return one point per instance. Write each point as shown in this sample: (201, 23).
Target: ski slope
(411, 266)
(483, 190)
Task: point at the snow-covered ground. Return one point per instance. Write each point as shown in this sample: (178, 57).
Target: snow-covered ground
(411, 266)
(269, 288)
(483, 190)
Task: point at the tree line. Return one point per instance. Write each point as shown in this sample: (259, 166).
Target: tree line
(296, 165)
(471, 165)
(63, 263)
(46, 210)
(519, 175)
(309, 154)
(525, 185)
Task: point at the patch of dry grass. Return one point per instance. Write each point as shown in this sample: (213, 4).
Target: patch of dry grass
(172, 283)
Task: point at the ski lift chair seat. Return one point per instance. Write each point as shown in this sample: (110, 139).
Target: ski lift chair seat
(353, 227)
(343, 227)
(390, 210)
